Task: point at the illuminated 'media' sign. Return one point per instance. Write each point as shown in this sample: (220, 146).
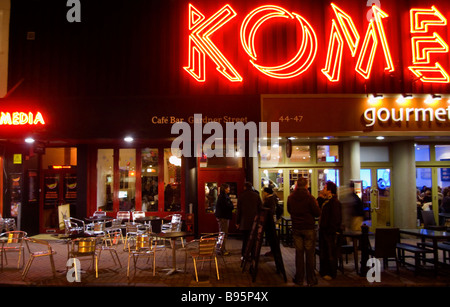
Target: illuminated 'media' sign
(21, 118)
(425, 43)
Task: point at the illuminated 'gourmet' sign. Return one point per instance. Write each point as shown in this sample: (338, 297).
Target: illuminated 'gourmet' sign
(425, 43)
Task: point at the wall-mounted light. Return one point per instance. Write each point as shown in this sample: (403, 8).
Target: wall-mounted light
(128, 139)
(404, 98)
(375, 99)
(432, 99)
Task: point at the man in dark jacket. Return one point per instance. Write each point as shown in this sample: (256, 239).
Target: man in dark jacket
(224, 213)
(303, 208)
(329, 225)
(249, 203)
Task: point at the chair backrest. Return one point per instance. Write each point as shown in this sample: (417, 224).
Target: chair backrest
(123, 215)
(428, 218)
(131, 227)
(40, 242)
(100, 213)
(16, 237)
(116, 223)
(207, 247)
(113, 237)
(386, 240)
(156, 225)
(84, 246)
(142, 242)
(176, 222)
(138, 214)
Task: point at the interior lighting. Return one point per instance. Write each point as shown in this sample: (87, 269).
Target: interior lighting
(29, 140)
(380, 137)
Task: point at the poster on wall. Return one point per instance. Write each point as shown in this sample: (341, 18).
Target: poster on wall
(51, 188)
(70, 188)
(33, 186)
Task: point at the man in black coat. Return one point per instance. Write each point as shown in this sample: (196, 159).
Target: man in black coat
(249, 203)
(303, 208)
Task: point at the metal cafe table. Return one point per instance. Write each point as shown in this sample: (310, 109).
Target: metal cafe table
(434, 235)
(173, 235)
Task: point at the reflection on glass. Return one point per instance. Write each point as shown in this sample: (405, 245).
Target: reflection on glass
(149, 179)
(442, 152)
(105, 179)
(325, 175)
(424, 185)
(295, 174)
(422, 152)
(127, 183)
(210, 196)
(172, 181)
(327, 153)
(270, 156)
(300, 153)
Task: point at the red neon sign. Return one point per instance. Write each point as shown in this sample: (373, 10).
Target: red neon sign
(423, 45)
(300, 62)
(343, 31)
(21, 118)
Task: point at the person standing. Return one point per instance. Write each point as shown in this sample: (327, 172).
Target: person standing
(330, 223)
(270, 202)
(249, 203)
(224, 213)
(303, 208)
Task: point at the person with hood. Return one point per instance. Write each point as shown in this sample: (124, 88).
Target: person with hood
(303, 208)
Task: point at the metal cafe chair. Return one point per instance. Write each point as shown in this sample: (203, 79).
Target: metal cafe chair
(144, 247)
(109, 243)
(84, 247)
(14, 243)
(206, 251)
(386, 240)
(42, 252)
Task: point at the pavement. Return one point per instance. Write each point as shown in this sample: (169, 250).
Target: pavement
(232, 276)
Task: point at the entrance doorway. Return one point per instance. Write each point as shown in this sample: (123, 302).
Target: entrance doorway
(59, 187)
(377, 196)
(209, 183)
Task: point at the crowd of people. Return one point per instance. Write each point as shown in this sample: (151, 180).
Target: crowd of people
(304, 209)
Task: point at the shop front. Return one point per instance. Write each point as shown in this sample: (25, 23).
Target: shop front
(359, 92)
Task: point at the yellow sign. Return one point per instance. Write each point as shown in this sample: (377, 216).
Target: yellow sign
(17, 158)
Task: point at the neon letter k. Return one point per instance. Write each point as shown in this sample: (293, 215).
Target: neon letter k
(201, 45)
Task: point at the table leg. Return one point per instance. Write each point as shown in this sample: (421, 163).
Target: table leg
(355, 253)
(435, 256)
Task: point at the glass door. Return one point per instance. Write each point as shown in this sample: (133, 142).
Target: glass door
(59, 187)
(376, 196)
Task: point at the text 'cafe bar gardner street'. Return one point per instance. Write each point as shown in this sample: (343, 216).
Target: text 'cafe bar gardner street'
(360, 93)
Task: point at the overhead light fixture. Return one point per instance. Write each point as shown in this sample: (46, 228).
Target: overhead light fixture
(128, 139)
(380, 137)
(29, 140)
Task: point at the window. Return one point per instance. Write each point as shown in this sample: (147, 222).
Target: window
(300, 153)
(327, 153)
(105, 179)
(172, 181)
(442, 152)
(149, 179)
(422, 153)
(127, 179)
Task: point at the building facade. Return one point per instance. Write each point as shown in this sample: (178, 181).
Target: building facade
(360, 92)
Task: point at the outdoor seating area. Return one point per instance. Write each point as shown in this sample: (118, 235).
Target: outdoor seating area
(147, 258)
